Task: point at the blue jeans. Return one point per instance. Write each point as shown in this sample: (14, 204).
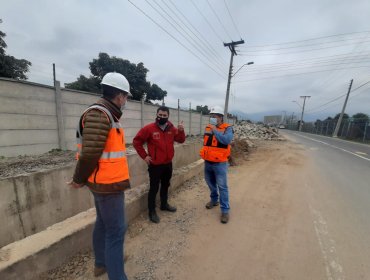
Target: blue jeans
(215, 175)
(109, 233)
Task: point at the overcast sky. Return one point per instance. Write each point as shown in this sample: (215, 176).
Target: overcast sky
(310, 47)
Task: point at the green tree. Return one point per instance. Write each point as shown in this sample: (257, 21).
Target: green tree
(91, 84)
(135, 74)
(360, 118)
(359, 123)
(154, 92)
(202, 109)
(345, 116)
(11, 67)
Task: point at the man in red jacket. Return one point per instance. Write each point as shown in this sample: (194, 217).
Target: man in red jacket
(160, 137)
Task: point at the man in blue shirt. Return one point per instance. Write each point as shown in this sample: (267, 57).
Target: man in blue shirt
(216, 152)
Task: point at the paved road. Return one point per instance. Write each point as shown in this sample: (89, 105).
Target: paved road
(340, 202)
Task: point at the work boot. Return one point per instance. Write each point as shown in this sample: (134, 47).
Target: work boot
(224, 218)
(153, 216)
(211, 204)
(99, 270)
(169, 208)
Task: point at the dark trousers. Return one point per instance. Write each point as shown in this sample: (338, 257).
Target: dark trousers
(159, 174)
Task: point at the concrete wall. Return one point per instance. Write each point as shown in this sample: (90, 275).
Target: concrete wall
(29, 117)
(31, 203)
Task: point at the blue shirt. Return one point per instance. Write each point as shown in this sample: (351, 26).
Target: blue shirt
(226, 137)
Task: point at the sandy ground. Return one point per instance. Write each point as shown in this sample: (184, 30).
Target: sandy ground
(270, 234)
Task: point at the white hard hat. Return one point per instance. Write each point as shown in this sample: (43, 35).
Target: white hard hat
(116, 80)
(217, 110)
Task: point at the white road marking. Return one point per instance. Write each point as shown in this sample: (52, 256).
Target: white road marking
(330, 145)
(361, 153)
(334, 271)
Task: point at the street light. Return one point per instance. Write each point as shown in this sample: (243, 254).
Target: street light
(297, 103)
(228, 88)
(249, 63)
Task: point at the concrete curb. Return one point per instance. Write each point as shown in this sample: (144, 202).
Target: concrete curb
(35, 254)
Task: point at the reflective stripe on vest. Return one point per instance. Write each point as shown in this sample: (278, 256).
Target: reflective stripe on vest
(212, 149)
(112, 166)
(109, 155)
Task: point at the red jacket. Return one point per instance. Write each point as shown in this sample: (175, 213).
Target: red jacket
(159, 142)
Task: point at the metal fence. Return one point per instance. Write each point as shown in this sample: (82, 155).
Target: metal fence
(350, 129)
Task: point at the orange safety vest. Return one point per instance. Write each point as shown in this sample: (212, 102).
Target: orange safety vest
(112, 166)
(213, 150)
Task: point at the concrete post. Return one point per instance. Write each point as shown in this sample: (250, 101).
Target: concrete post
(349, 127)
(200, 123)
(58, 104)
(178, 111)
(142, 111)
(363, 140)
(190, 119)
(343, 128)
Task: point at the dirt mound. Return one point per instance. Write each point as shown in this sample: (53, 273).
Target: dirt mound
(240, 149)
(26, 164)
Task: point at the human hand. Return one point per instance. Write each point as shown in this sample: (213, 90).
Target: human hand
(148, 159)
(180, 127)
(213, 127)
(74, 185)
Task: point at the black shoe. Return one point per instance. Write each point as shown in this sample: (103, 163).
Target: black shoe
(154, 217)
(224, 218)
(211, 204)
(168, 208)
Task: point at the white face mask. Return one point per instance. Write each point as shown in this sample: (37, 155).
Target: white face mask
(213, 121)
(124, 106)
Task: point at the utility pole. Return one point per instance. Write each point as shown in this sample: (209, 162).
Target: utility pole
(54, 78)
(283, 117)
(304, 103)
(233, 52)
(335, 134)
(291, 121)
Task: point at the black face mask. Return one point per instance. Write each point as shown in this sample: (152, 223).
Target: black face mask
(161, 121)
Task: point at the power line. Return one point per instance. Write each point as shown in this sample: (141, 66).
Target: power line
(304, 73)
(178, 41)
(333, 75)
(232, 20)
(214, 31)
(311, 39)
(298, 51)
(337, 98)
(320, 58)
(308, 45)
(196, 30)
(286, 68)
(193, 42)
(201, 39)
(222, 25)
(359, 88)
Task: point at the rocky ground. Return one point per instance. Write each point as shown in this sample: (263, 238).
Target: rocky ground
(251, 131)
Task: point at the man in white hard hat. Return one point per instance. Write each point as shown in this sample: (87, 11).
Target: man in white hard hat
(216, 152)
(102, 166)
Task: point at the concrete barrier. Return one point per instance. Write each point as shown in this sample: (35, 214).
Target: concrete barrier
(26, 259)
(30, 203)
